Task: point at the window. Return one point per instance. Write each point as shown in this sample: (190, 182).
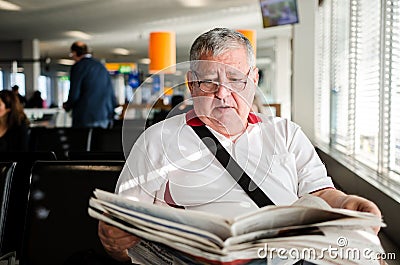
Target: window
(357, 83)
(322, 91)
(63, 85)
(392, 87)
(19, 80)
(339, 85)
(1, 80)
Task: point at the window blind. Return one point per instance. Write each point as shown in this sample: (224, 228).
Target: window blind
(393, 62)
(322, 91)
(362, 75)
(367, 92)
(340, 75)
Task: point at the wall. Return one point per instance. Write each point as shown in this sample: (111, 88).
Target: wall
(303, 67)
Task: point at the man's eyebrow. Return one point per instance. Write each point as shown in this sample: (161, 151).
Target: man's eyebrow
(203, 75)
(235, 73)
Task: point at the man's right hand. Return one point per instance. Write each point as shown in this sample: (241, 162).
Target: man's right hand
(116, 241)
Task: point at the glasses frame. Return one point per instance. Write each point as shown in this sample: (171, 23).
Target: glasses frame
(218, 84)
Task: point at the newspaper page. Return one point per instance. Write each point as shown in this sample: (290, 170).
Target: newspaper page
(191, 236)
(212, 223)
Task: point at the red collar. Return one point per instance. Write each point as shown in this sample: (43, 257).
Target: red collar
(193, 120)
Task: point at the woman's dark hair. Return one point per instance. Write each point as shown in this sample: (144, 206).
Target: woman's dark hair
(16, 116)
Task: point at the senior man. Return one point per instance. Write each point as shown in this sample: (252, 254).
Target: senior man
(170, 164)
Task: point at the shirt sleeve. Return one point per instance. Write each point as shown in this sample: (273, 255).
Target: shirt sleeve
(311, 172)
(142, 175)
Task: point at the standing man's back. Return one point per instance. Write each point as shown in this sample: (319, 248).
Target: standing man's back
(91, 96)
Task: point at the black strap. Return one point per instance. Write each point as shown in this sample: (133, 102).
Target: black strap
(247, 184)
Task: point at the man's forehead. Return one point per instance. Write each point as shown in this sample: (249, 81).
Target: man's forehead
(210, 67)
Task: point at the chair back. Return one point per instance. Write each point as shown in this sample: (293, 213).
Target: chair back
(59, 140)
(115, 140)
(58, 228)
(18, 187)
(96, 155)
(6, 174)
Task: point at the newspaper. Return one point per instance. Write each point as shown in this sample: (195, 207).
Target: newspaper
(177, 236)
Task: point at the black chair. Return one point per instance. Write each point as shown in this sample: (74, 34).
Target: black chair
(59, 140)
(14, 219)
(6, 174)
(106, 140)
(59, 229)
(115, 139)
(96, 155)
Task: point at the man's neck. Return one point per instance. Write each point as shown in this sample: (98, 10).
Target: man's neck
(230, 133)
(83, 56)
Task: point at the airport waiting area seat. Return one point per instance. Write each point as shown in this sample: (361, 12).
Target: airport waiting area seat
(114, 140)
(17, 198)
(92, 155)
(59, 140)
(6, 174)
(66, 141)
(58, 228)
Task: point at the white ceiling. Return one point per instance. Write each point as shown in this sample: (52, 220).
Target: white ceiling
(127, 23)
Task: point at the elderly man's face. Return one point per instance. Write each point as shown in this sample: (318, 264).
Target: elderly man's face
(224, 107)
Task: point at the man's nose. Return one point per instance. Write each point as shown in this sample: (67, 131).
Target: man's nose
(223, 91)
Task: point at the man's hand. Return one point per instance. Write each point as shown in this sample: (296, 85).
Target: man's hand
(116, 241)
(338, 199)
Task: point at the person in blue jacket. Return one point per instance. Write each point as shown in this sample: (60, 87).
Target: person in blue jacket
(91, 96)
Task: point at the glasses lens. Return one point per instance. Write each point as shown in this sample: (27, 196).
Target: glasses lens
(237, 85)
(210, 76)
(212, 86)
(208, 86)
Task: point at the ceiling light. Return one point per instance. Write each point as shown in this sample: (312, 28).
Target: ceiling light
(4, 5)
(144, 61)
(121, 51)
(194, 3)
(61, 73)
(78, 34)
(66, 61)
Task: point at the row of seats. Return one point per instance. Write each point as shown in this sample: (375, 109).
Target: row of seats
(44, 205)
(64, 141)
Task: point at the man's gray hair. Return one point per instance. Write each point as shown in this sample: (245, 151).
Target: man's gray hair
(218, 41)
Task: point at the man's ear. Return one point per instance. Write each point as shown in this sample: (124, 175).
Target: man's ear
(189, 80)
(255, 76)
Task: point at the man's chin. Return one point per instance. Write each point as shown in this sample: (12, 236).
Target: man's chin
(227, 118)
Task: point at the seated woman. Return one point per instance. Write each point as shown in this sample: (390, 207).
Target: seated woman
(13, 124)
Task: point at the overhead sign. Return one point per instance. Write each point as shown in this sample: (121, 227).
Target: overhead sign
(121, 68)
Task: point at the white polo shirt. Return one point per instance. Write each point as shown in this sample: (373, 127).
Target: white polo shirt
(169, 164)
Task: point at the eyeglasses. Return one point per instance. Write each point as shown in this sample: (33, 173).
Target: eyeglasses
(236, 84)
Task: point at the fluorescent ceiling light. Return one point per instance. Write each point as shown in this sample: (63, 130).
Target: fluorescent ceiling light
(4, 5)
(121, 51)
(66, 61)
(61, 73)
(194, 3)
(144, 61)
(78, 34)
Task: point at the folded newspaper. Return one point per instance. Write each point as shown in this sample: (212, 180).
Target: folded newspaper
(309, 229)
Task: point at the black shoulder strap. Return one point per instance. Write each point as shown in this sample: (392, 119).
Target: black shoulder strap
(251, 188)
